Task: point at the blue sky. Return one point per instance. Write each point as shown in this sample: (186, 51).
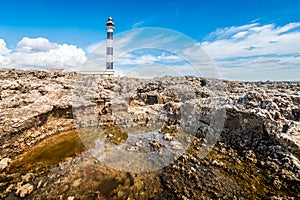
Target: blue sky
(73, 26)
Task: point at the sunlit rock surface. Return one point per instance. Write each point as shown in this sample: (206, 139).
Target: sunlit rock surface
(47, 153)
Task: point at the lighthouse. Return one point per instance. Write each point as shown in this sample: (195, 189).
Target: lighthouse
(110, 26)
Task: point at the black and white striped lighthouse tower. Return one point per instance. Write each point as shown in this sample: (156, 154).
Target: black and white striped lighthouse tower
(110, 26)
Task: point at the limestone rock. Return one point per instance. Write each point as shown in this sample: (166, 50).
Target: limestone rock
(261, 134)
(4, 163)
(24, 190)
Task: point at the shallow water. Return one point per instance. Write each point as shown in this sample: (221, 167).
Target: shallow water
(48, 153)
(44, 159)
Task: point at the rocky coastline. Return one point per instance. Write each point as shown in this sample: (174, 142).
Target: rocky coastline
(255, 156)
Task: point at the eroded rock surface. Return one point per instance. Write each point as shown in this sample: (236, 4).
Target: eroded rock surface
(34, 105)
(256, 125)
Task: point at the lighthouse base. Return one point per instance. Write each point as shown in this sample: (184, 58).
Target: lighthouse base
(108, 72)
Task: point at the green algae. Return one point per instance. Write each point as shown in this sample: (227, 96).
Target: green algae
(63, 146)
(115, 134)
(49, 152)
(252, 179)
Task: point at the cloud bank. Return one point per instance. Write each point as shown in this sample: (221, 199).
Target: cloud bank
(153, 47)
(40, 53)
(256, 52)
(248, 52)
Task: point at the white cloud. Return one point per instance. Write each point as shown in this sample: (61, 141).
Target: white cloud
(130, 59)
(36, 45)
(246, 36)
(42, 54)
(137, 24)
(3, 49)
(157, 56)
(4, 61)
(157, 70)
(152, 47)
(256, 52)
(248, 52)
(228, 32)
(63, 56)
(121, 41)
(240, 35)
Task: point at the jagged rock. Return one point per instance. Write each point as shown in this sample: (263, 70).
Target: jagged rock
(27, 177)
(24, 190)
(261, 134)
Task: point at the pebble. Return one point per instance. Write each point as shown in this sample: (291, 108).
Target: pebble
(132, 149)
(77, 183)
(4, 163)
(168, 137)
(139, 143)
